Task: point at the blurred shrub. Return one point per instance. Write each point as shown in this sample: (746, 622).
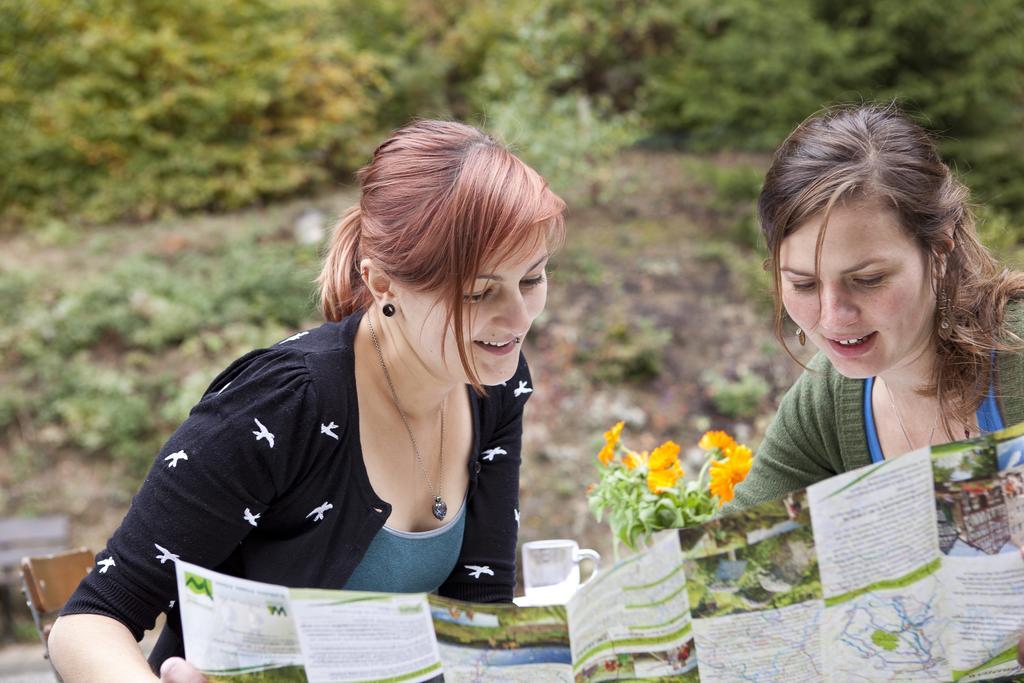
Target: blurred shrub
(108, 363)
(739, 398)
(625, 352)
(714, 74)
(1002, 234)
(103, 409)
(569, 134)
(146, 303)
(111, 109)
(736, 186)
(431, 51)
(565, 141)
(961, 66)
(741, 73)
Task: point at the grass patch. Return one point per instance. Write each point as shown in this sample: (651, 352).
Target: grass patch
(105, 361)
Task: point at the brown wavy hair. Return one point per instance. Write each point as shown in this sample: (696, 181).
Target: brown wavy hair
(871, 152)
(438, 199)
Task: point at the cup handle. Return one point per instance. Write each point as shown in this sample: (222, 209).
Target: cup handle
(593, 556)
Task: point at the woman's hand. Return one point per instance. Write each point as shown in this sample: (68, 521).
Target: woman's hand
(177, 670)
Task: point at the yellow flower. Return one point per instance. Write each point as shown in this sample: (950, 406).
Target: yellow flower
(607, 454)
(611, 437)
(663, 479)
(712, 440)
(725, 474)
(664, 456)
(633, 459)
(741, 453)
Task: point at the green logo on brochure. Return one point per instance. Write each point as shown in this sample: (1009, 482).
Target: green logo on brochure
(277, 610)
(199, 585)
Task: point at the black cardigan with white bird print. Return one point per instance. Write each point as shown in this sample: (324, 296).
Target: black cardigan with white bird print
(265, 480)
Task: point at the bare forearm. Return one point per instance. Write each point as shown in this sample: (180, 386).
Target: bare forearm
(88, 648)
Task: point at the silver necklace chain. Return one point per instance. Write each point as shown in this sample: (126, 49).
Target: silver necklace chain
(899, 420)
(440, 509)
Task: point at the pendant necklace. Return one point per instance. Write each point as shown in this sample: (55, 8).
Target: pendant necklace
(439, 508)
(899, 420)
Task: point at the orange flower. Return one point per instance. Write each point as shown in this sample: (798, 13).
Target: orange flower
(712, 440)
(663, 467)
(725, 474)
(664, 456)
(633, 459)
(611, 437)
(663, 479)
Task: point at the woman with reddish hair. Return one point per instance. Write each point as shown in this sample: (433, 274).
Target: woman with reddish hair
(379, 451)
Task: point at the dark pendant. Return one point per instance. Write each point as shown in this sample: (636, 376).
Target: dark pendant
(440, 509)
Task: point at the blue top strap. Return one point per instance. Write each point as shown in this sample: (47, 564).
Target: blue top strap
(989, 418)
(988, 415)
(874, 447)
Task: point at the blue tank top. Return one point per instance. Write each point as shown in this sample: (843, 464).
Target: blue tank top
(410, 561)
(989, 418)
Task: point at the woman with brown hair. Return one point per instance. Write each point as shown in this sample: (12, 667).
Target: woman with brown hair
(875, 257)
(379, 451)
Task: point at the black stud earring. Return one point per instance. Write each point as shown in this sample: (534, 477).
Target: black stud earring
(388, 310)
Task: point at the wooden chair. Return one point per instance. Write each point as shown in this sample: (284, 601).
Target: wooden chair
(48, 582)
(21, 536)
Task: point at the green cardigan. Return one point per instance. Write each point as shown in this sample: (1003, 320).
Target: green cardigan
(819, 429)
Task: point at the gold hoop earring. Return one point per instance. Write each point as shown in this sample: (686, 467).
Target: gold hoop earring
(801, 337)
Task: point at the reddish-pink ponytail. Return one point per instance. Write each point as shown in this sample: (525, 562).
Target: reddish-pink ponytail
(342, 291)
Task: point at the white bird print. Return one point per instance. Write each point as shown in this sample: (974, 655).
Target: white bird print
(106, 564)
(328, 429)
(175, 457)
(476, 570)
(522, 389)
(263, 433)
(517, 518)
(171, 606)
(294, 337)
(165, 554)
(491, 452)
(319, 511)
(249, 517)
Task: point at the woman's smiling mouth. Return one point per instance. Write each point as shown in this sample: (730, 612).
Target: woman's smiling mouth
(851, 347)
(499, 348)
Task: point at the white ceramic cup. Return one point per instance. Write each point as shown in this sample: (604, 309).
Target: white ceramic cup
(551, 569)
